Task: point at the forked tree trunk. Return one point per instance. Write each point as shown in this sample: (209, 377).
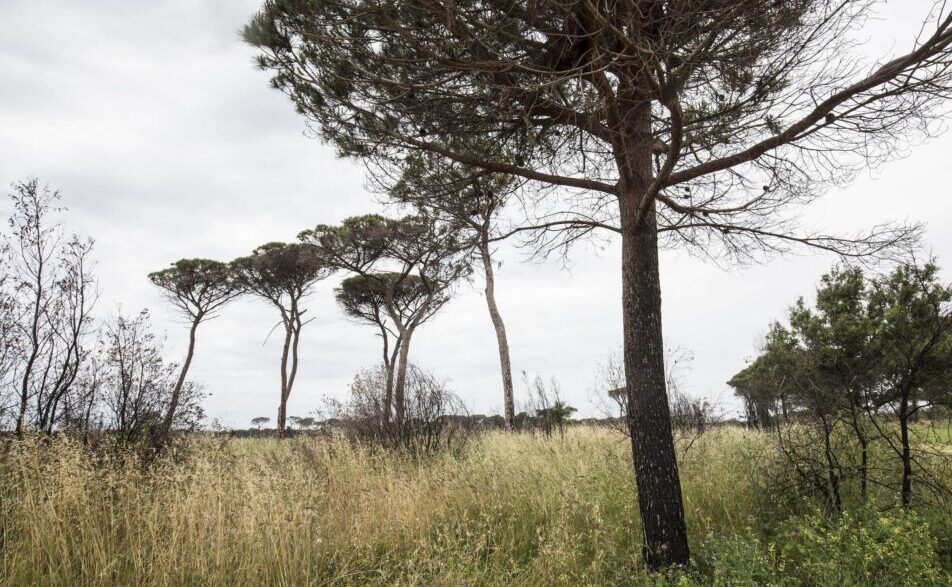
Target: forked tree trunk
(649, 416)
(295, 341)
(37, 302)
(503, 343)
(283, 404)
(292, 339)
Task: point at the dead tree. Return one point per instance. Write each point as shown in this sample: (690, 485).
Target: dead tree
(137, 382)
(54, 299)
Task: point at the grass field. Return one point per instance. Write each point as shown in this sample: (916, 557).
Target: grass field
(508, 510)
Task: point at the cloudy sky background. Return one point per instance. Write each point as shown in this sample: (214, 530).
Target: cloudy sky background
(166, 143)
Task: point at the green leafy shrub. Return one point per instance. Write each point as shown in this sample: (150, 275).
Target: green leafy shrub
(740, 560)
(872, 549)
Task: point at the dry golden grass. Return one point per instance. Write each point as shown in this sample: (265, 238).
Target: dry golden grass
(512, 510)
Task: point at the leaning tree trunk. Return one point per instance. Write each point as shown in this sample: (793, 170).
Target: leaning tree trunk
(649, 416)
(503, 343)
(180, 382)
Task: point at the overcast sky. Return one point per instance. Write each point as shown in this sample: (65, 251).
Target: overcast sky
(166, 142)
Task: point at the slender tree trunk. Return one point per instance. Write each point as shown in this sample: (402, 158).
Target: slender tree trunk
(503, 343)
(649, 417)
(180, 382)
(38, 307)
(863, 467)
(399, 400)
(283, 404)
(831, 465)
(906, 449)
(28, 372)
(390, 362)
(292, 375)
(864, 449)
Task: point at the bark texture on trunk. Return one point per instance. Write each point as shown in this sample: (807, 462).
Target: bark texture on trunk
(504, 362)
(649, 415)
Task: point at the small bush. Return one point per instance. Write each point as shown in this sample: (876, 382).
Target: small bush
(872, 549)
(734, 560)
(433, 414)
(881, 550)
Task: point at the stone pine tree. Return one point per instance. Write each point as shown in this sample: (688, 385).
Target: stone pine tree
(283, 275)
(385, 300)
(197, 288)
(473, 199)
(670, 123)
(362, 300)
(413, 262)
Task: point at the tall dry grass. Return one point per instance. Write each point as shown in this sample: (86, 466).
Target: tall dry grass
(512, 510)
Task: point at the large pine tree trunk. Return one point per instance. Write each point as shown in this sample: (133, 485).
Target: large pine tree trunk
(501, 339)
(649, 416)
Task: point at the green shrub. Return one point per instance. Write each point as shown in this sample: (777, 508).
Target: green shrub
(737, 561)
(871, 549)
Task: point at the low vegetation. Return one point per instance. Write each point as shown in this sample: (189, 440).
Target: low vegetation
(509, 509)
